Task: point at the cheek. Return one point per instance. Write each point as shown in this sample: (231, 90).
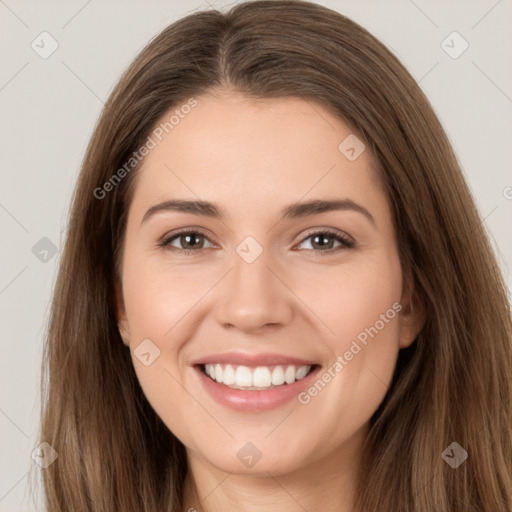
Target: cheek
(368, 309)
(362, 309)
(159, 301)
(158, 296)
(351, 298)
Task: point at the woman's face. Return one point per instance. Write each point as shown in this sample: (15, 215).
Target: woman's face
(271, 286)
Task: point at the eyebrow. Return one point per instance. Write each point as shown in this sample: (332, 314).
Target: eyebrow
(293, 211)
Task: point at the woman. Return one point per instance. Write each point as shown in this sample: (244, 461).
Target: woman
(202, 354)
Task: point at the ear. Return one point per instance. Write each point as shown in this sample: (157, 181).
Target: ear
(122, 321)
(412, 316)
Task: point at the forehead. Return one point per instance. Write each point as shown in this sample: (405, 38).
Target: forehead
(240, 151)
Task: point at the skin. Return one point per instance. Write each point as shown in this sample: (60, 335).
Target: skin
(253, 158)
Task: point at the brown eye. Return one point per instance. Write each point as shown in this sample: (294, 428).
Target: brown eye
(189, 241)
(323, 241)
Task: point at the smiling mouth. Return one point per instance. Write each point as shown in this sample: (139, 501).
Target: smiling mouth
(259, 378)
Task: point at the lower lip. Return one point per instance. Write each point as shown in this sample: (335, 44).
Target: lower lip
(255, 401)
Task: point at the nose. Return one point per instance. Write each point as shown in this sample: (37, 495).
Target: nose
(253, 296)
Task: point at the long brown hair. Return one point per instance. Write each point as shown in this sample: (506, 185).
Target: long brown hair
(453, 384)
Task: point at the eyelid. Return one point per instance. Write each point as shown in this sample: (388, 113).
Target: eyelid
(329, 231)
(346, 240)
(164, 242)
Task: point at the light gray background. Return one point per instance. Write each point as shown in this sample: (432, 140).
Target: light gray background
(49, 107)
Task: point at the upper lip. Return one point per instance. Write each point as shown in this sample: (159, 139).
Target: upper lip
(245, 359)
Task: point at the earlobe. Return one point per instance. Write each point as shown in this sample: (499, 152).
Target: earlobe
(122, 321)
(124, 333)
(412, 318)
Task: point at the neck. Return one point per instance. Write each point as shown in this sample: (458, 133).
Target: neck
(324, 485)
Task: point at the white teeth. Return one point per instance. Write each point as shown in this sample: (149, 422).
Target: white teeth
(278, 376)
(218, 373)
(243, 376)
(301, 372)
(261, 377)
(229, 375)
(289, 374)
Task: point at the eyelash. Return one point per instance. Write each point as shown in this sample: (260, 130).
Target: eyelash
(346, 242)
